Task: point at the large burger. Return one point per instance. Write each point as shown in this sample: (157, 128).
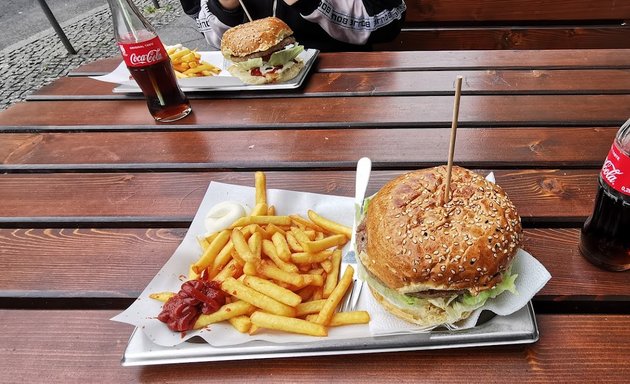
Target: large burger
(432, 263)
(262, 51)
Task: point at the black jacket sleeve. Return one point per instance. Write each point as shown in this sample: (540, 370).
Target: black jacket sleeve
(346, 23)
(355, 21)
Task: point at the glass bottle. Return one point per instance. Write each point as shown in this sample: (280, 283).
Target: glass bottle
(148, 62)
(605, 236)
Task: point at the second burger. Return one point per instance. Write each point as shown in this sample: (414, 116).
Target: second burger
(432, 263)
(262, 51)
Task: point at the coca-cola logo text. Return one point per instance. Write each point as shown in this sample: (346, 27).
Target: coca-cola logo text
(610, 172)
(141, 54)
(616, 169)
(153, 56)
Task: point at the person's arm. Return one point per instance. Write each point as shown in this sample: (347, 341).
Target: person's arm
(191, 7)
(214, 17)
(354, 21)
(230, 5)
(228, 12)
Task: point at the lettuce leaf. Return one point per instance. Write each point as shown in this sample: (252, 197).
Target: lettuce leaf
(249, 64)
(506, 285)
(455, 306)
(285, 55)
(468, 303)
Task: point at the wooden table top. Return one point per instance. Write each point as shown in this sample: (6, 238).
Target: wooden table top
(96, 196)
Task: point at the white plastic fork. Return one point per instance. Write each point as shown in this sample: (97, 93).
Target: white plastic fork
(364, 168)
(351, 299)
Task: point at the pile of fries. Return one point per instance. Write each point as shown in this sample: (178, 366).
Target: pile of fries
(188, 63)
(279, 272)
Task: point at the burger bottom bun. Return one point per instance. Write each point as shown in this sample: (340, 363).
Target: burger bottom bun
(428, 315)
(286, 75)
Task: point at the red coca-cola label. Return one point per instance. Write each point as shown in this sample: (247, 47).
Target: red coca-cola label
(144, 53)
(616, 170)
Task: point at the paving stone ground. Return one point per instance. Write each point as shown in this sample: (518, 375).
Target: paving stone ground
(30, 64)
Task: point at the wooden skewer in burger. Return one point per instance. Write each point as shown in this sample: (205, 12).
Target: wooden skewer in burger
(436, 243)
(262, 51)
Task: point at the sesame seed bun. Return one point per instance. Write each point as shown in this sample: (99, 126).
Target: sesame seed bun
(258, 36)
(417, 246)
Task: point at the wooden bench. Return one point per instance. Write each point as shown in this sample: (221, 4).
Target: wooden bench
(513, 24)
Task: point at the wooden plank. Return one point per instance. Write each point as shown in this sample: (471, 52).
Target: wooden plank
(388, 83)
(542, 196)
(83, 263)
(533, 37)
(476, 147)
(97, 67)
(84, 346)
(78, 87)
(515, 10)
(481, 59)
(558, 250)
(103, 264)
(440, 60)
(403, 111)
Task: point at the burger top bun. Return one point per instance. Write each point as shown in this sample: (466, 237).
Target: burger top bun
(255, 36)
(415, 243)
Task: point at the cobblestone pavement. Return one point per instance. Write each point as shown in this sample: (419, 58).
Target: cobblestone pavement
(28, 65)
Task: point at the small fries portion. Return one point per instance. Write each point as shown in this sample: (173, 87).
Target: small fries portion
(278, 272)
(188, 63)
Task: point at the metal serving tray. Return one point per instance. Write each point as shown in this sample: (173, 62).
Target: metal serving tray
(517, 328)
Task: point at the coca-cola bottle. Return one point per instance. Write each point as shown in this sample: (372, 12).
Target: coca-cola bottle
(149, 64)
(605, 237)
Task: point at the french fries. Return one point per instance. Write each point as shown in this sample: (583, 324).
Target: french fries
(211, 252)
(327, 311)
(241, 323)
(162, 296)
(287, 324)
(273, 290)
(227, 311)
(188, 63)
(261, 187)
(353, 317)
(325, 243)
(329, 225)
(333, 276)
(278, 272)
(252, 296)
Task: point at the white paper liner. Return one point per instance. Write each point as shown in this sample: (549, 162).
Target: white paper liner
(143, 312)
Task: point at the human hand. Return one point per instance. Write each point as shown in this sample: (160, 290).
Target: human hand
(229, 4)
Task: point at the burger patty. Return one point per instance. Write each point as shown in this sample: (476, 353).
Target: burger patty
(428, 294)
(361, 237)
(434, 293)
(265, 54)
